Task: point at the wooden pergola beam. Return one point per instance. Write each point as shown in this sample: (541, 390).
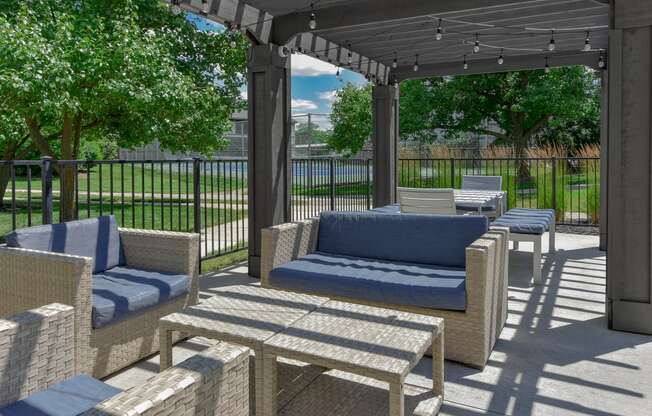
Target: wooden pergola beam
(362, 13)
(488, 66)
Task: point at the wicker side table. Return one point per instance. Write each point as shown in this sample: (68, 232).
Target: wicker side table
(243, 315)
(371, 342)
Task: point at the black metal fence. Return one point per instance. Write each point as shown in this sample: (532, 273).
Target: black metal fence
(210, 196)
(203, 196)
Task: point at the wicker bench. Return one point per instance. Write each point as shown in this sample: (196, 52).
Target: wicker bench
(472, 327)
(112, 331)
(529, 225)
(38, 376)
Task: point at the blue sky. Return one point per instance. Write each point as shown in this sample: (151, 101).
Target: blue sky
(313, 82)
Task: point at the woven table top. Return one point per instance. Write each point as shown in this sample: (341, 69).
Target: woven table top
(248, 314)
(379, 343)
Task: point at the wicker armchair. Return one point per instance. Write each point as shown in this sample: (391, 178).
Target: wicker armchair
(29, 279)
(470, 334)
(36, 352)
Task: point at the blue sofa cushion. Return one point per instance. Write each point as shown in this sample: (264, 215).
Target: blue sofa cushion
(123, 291)
(374, 280)
(412, 238)
(67, 398)
(94, 237)
(527, 220)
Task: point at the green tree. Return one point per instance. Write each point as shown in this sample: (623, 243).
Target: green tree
(128, 70)
(521, 104)
(351, 118)
(310, 133)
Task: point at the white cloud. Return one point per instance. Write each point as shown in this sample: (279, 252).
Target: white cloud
(299, 105)
(327, 95)
(307, 66)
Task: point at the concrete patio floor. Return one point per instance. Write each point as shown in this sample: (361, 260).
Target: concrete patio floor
(554, 357)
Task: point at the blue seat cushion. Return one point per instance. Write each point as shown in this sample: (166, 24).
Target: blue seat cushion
(67, 398)
(94, 237)
(123, 291)
(527, 220)
(399, 283)
(411, 238)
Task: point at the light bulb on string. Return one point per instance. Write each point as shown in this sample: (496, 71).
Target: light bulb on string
(476, 45)
(587, 42)
(601, 63)
(466, 64)
(546, 68)
(349, 56)
(501, 60)
(312, 24)
(551, 44)
(395, 62)
(337, 74)
(439, 34)
(416, 63)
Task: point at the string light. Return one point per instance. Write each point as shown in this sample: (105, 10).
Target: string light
(283, 51)
(587, 42)
(601, 63)
(337, 74)
(476, 45)
(313, 17)
(546, 69)
(551, 44)
(440, 32)
(395, 61)
(416, 63)
(349, 58)
(500, 58)
(466, 64)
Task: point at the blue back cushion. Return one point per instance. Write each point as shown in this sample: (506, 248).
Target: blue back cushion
(95, 237)
(427, 239)
(67, 398)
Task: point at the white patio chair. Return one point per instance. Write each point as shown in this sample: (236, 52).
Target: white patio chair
(427, 201)
(484, 183)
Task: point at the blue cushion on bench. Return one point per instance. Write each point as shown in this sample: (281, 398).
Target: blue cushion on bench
(412, 238)
(527, 220)
(67, 398)
(95, 237)
(124, 291)
(399, 283)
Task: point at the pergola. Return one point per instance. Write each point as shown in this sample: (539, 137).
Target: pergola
(392, 40)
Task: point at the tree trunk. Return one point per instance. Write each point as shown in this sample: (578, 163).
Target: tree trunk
(67, 171)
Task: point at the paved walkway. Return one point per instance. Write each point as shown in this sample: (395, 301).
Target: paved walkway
(554, 357)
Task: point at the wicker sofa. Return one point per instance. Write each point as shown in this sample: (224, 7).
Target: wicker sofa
(120, 282)
(38, 376)
(454, 267)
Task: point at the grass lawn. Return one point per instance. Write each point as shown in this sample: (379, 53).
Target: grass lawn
(218, 263)
(146, 178)
(149, 216)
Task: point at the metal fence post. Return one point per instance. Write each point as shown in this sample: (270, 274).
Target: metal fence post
(554, 183)
(368, 164)
(196, 201)
(46, 189)
(452, 172)
(332, 184)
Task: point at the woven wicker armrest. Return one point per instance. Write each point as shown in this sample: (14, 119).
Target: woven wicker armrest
(481, 274)
(214, 382)
(36, 351)
(30, 279)
(286, 242)
(163, 251)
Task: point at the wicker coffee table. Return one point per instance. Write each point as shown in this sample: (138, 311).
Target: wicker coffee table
(371, 342)
(243, 315)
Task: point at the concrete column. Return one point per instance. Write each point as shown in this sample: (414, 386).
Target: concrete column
(385, 138)
(604, 155)
(629, 176)
(269, 167)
